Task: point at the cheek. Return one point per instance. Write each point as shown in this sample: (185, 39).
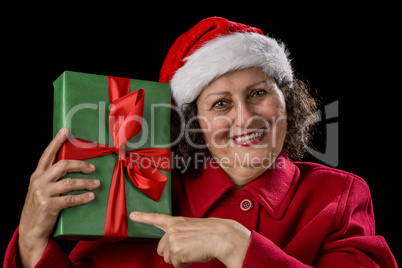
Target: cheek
(278, 119)
(274, 110)
(214, 128)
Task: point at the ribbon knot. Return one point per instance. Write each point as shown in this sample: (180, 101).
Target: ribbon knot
(125, 121)
(121, 153)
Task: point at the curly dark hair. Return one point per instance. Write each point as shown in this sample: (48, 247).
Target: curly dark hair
(300, 108)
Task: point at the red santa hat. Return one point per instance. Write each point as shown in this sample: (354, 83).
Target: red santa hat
(216, 46)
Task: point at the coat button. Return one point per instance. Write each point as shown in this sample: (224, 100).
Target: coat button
(246, 205)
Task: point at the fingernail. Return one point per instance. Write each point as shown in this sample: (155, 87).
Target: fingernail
(133, 215)
(91, 195)
(91, 166)
(62, 131)
(96, 182)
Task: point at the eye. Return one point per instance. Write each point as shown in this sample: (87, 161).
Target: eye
(220, 104)
(259, 93)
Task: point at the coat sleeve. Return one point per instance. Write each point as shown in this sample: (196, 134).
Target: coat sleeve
(354, 241)
(352, 244)
(262, 252)
(52, 257)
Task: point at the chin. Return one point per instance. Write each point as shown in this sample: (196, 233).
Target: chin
(248, 159)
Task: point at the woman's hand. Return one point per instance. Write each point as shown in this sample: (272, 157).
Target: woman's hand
(189, 240)
(43, 201)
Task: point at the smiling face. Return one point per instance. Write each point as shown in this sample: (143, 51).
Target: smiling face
(243, 118)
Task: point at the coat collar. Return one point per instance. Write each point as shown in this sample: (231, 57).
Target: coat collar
(274, 189)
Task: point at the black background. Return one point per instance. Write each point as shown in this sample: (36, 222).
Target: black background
(346, 52)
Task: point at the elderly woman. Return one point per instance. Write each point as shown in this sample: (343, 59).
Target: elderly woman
(239, 199)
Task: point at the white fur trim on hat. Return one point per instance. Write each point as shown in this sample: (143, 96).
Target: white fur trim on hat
(229, 53)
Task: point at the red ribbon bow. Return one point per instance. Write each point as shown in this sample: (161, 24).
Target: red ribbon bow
(125, 121)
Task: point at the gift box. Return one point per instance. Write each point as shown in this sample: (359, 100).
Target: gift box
(122, 126)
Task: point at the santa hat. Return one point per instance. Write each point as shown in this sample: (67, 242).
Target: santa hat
(216, 46)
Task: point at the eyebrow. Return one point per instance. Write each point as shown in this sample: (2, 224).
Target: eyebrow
(217, 93)
(256, 84)
(227, 92)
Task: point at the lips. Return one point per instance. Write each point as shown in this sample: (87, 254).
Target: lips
(250, 138)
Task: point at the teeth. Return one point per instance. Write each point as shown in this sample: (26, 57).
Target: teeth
(250, 137)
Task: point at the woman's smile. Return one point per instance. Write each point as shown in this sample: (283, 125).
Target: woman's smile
(250, 138)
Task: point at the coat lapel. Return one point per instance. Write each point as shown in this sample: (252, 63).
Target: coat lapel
(274, 189)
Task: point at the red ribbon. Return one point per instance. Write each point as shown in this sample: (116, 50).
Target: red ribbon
(125, 121)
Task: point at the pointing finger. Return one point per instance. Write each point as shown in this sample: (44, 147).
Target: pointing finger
(160, 221)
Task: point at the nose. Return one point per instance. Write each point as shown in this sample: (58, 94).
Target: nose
(243, 115)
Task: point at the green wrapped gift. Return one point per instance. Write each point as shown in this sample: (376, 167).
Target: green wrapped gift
(122, 126)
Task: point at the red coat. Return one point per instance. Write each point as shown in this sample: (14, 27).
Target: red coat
(300, 214)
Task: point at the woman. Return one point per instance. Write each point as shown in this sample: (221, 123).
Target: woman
(239, 200)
